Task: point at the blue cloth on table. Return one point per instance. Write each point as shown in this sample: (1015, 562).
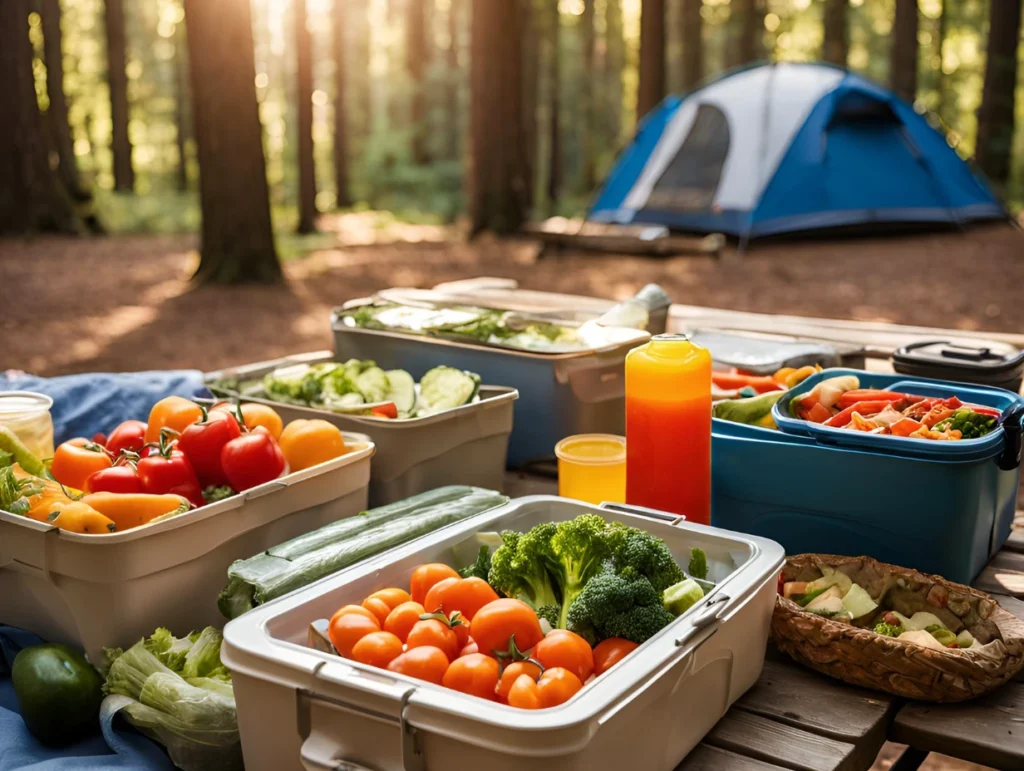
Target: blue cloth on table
(117, 748)
(89, 404)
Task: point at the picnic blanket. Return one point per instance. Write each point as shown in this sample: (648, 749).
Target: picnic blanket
(94, 403)
(118, 748)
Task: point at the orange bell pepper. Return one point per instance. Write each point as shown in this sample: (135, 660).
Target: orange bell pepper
(306, 443)
(173, 412)
(76, 459)
(80, 517)
(128, 510)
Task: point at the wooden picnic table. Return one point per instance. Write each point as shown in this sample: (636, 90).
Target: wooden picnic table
(797, 720)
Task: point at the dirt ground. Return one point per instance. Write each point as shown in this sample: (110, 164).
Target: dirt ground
(125, 303)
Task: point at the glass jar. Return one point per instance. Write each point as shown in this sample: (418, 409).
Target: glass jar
(27, 416)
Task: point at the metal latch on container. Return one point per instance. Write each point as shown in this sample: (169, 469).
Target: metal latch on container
(643, 511)
(1009, 458)
(412, 753)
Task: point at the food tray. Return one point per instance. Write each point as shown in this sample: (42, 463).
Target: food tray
(97, 591)
(466, 445)
(560, 394)
(302, 708)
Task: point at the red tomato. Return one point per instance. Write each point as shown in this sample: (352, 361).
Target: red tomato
(117, 479)
(167, 470)
(610, 652)
(432, 602)
(203, 441)
(475, 674)
(561, 648)
(434, 634)
(496, 623)
(425, 576)
(252, 459)
(130, 435)
(385, 410)
(424, 663)
(466, 595)
(100, 439)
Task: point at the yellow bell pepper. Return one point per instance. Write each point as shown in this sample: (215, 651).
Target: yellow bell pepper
(79, 517)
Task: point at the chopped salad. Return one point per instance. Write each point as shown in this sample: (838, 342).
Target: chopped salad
(840, 402)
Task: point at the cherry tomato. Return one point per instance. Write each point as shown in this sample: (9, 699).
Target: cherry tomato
(100, 439)
(172, 412)
(475, 674)
(402, 619)
(202, 443)
(167, 470)
(378, 608)
(76, 460)
(391, 597)
(385, 410)
(460, 626)
(432, 602)
(424, 663)
(561, 648)
(378, 649)
(252, 459)
(524, 693)
(469, 648)
(346, 629)
(511, 673)
(358, 609)
(116, 479)
(466, 595)
(556, 686)
(434, 634)
(496, 623)
(610, 652)
(255, 415)
(130, 435)
(425, 576)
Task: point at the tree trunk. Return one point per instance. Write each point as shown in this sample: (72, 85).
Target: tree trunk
(416, 64)
(651, 89)
(342, 196)
(237, 240)
(454, 78)
(614, 65)
(555, 167)
(836, 43)
(903, 53)
(588, 95)
(57, 112)
(31, 194)
(304, 97)
(995, 116)
(690, 33)
(531, 92)
(747, 46)
(117, 78)
(498, 193)
(181, 104)
(940, 45)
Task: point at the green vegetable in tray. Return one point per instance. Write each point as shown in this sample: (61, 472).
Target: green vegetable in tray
(14, 492)
(755, 411)
(401, 391)
(212, 494)
(481, 567)
(698, 567)
(647, 554)
(889, 630)
(520, 569)
(16, 452)
(305, 559)
(943, 635)
(178, 692)
(971, 424)
(443, 388)
(623, 604)
(58, 692)
(680, 597)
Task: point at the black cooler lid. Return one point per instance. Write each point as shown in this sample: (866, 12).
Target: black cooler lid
(978, 363)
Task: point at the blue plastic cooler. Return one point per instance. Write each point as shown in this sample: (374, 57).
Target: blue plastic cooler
(939, 507)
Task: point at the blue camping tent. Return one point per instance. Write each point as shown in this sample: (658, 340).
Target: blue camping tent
(782, 148)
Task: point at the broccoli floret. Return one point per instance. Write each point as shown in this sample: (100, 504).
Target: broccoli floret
(551, 613)
(698, 563)
(520, 568)
(481, 568)
(618, 605)
(889, 630)
(645, 553)
(578, 548)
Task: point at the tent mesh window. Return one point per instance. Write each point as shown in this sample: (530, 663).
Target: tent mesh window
(691, 179)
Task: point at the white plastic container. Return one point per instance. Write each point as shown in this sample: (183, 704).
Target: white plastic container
(301, 708)
(98, 591)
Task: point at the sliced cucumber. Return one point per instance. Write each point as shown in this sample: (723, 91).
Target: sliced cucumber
(373, 384)
(444, 388)
(344, 402)
(401, 391)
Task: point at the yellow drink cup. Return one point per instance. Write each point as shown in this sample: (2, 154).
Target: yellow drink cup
(592, 468)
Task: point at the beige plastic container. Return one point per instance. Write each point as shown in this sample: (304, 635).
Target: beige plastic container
(97, 591)
(466, 445)
(302, 708)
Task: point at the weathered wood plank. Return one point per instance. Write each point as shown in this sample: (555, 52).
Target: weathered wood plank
(791, 694)
(1003, 575)
(1016, 541)
(763, 739)
(707, 758)
(989, 730)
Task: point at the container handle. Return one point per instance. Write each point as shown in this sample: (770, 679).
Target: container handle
(1009, 458)
(317, 754)
(643, 511)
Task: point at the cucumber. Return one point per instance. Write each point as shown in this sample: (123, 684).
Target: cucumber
(444, 388)
(344, 402)
(373, 384)
(402, 391)
(301, 561)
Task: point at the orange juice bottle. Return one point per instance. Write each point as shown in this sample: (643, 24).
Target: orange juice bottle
(668, 427)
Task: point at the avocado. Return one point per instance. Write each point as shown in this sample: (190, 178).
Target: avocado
(59, 693)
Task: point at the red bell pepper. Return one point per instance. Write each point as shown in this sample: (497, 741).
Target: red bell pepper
(130, 435)
(123, 478)
(252, 459)
(203, 441)
(819, 413)
(866, 409)
(385, 410)
(167, 470)
(992, 413)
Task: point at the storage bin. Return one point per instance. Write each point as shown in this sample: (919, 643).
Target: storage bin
(938, 507)
(559, 394)
(466, 445)
(302, 708)
(98, 591)
(993, 364)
